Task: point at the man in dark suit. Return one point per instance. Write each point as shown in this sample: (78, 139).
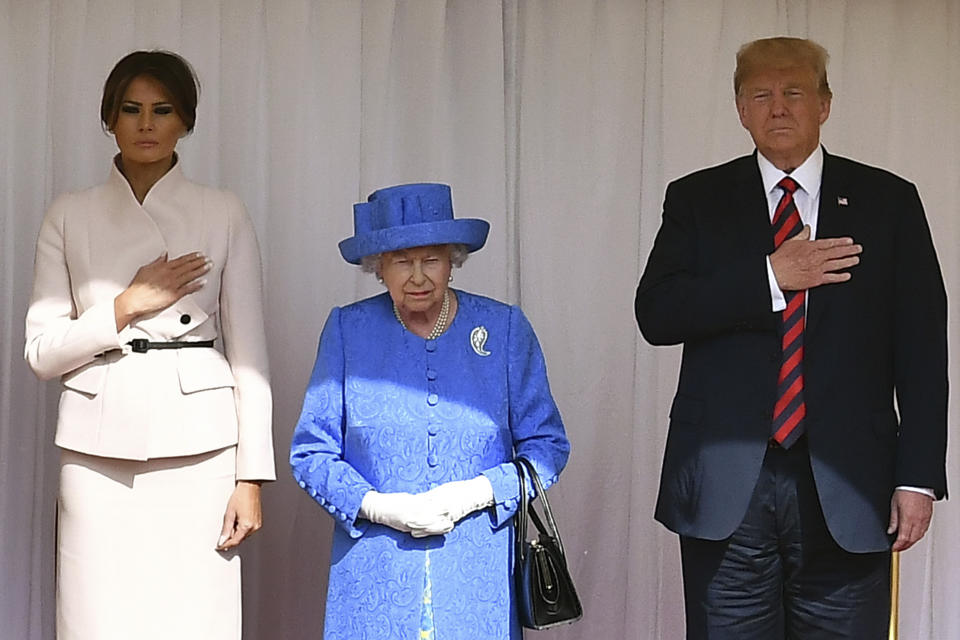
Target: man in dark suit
(808, 432)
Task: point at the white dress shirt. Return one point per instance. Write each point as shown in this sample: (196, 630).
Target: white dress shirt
(807, 198)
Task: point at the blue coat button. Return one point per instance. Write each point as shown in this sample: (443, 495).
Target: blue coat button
(431, 345)
(433, 399)
(433, 460)
(431, 374)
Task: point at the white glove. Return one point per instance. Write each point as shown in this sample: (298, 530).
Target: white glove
(461, 497)
(412, 514)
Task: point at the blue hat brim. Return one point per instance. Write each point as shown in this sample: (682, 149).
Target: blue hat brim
(471, 232)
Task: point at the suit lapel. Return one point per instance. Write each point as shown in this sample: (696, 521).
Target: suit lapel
(831, 223)
(753, 214)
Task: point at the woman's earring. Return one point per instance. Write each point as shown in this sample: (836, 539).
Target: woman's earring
(450, 279)
(379, 278)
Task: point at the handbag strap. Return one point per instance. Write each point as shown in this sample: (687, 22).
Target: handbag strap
(526, 468)
(520, 527)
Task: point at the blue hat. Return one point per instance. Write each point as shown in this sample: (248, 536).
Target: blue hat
(409, 215)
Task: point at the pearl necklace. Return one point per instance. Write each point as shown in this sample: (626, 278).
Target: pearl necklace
(441, 324)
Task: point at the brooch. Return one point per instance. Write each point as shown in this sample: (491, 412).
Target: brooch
(478, 338)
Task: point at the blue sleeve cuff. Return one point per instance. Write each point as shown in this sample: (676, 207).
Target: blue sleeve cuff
(506, 491)
(344, 507)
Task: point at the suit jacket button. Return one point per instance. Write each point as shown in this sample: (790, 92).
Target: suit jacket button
(185, 319)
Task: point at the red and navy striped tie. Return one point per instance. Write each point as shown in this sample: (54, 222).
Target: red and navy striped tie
(790, 409)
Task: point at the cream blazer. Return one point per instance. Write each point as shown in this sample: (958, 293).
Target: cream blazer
(162, 403)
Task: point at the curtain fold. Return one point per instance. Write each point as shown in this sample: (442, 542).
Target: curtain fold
(560, 122)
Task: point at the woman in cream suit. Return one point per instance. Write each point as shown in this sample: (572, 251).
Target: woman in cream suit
(147, 306)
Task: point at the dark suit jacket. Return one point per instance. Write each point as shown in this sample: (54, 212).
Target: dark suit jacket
(878, 336)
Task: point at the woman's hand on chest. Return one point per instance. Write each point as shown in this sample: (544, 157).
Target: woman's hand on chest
(159, 284)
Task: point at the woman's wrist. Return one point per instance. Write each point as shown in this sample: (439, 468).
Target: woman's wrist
(122, 312)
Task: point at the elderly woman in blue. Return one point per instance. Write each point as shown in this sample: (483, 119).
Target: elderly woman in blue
(419, 400)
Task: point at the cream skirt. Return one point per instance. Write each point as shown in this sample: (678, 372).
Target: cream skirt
(135, 549)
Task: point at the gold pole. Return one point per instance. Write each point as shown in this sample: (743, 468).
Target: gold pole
(894, 595)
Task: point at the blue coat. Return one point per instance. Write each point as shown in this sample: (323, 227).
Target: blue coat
(386, 410)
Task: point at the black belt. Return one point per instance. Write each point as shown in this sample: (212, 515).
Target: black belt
(141, 345)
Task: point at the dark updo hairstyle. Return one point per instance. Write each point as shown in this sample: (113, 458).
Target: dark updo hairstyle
(173, 72)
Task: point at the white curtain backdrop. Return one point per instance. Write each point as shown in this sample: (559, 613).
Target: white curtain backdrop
(559, 121)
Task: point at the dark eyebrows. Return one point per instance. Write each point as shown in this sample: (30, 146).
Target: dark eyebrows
(161, 103)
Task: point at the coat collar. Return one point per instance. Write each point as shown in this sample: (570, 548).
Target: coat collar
(161, 190)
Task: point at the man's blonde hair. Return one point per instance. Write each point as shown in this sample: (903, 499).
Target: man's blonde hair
(782, 53)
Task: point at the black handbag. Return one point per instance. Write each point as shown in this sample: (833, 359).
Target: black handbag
(545, 593)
